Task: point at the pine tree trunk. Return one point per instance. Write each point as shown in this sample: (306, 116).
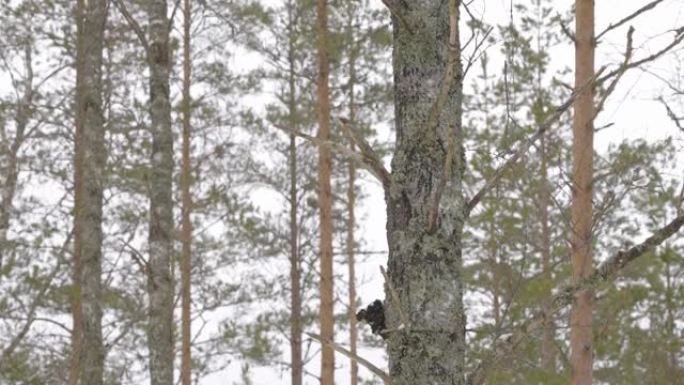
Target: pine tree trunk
(425, 267)
(90, 162)
(351, 203)
(583, 136)
(186, 225)
(295, 275)
(548, 349)
(160, 283)
(325, 198)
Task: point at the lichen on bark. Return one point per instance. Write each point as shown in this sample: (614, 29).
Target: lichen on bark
(424, 266)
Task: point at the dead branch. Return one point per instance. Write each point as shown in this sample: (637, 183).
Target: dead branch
(677, 120)
(618, 76)
(383, 178)
(398, 9)
(453, 70)
(636, 13)
(605, 272)
(679, 37)
(133, 24)
(369, 156)
(362, 361)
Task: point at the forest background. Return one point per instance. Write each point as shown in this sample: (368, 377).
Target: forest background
(254, 72)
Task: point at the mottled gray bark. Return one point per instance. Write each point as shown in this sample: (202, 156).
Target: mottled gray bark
(160, 284)
(90, 158)
(425, 199)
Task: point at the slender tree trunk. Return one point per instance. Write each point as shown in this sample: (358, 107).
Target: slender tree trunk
(325, 197)
(351, 221)
(295, 275)
(548, 350)
(90, 161)
(186, 230)
(425, 265)
(674, 343)
(74, 360)
(160, 283)
(583, 137)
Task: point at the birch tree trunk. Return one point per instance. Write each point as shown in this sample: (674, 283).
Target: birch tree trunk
(425, 267)
(160, 284)
(89, 168)
(581, 347)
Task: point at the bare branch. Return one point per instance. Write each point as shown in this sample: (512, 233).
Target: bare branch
(611, 266)
(173, 14)
(618, 76)
(369, 156)
(566, 31)
(374, 166)
(362, 361)
(679, 37)
(677, 120)
(636, 13)
(133, 24)
(524, 146)
(398, 9)
(605, 272)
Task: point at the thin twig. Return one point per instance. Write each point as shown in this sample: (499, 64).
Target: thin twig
(677, 120)
(137, 257)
